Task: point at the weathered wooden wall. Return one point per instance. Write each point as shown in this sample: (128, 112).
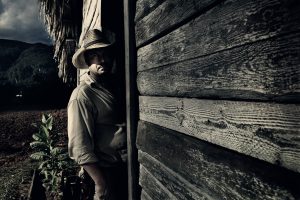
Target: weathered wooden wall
(91, 19)
(219, 84)
(99, 14)
(91, 16)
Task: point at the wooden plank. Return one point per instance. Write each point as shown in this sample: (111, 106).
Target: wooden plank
(167, 15)
(91, 17)
(145, 196)
(96, 21)
(228, 175)
(131, 100)
(176, 184)
(266, 131)
(266, 70)
(144, 7)
(153, 187)
(228, 25)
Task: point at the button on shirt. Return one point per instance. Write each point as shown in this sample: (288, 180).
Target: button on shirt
(91, 115)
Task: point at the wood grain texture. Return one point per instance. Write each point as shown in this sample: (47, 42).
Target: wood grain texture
(144, 7)
(153, 187)
(226, 174)
(165, 16)
(176, 184)
(265, 70)
(266, 131)
(228, 25)
(145, 196)
(91, 17)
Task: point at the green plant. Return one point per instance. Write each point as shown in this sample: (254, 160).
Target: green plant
(53, 160)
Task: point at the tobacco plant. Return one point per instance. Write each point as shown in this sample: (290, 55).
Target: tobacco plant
(53, 159)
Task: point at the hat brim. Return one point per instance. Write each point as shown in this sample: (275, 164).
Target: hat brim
(78, 57)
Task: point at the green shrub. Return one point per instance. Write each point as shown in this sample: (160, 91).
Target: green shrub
(53, 160)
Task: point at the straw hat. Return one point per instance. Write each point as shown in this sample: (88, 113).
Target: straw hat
(93, 39)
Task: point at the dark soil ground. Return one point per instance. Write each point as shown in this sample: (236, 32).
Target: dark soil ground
(15, 135)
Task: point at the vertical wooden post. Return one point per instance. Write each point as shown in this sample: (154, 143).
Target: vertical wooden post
(36, 190)
(131, 99)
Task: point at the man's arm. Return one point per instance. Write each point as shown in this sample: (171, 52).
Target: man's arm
(97, 175)
(80, 132)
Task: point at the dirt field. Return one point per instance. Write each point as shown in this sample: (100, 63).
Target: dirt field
(15, 135)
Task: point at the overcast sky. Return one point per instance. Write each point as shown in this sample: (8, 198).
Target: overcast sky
(20, 20)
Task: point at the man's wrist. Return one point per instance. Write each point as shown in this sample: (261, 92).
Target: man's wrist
(100, 192)
(96, 174)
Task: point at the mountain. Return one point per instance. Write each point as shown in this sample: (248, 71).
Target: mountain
(10, 51)
(21, 62)
(34, 65)
(29, 75)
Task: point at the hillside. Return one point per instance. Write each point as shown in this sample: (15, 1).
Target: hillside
(10, 51)
(33, 66)
(28, 75)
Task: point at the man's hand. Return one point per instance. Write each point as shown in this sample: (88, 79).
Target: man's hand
(119, 140)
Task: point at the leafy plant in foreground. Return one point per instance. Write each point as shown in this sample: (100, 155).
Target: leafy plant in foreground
(53, 160)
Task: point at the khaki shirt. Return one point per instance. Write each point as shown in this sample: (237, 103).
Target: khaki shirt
(91, 115)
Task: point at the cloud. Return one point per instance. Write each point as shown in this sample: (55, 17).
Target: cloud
(20, 20)
(1, 7)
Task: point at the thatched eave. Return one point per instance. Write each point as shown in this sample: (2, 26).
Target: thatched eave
(63, 22)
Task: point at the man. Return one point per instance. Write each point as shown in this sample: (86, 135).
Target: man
(95, 136)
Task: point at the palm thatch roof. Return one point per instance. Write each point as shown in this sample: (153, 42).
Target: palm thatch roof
(63, 21)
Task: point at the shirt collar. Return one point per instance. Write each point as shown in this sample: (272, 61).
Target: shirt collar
(95, 82)
(92, 81)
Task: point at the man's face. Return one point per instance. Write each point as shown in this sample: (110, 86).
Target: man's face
(100, 60)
